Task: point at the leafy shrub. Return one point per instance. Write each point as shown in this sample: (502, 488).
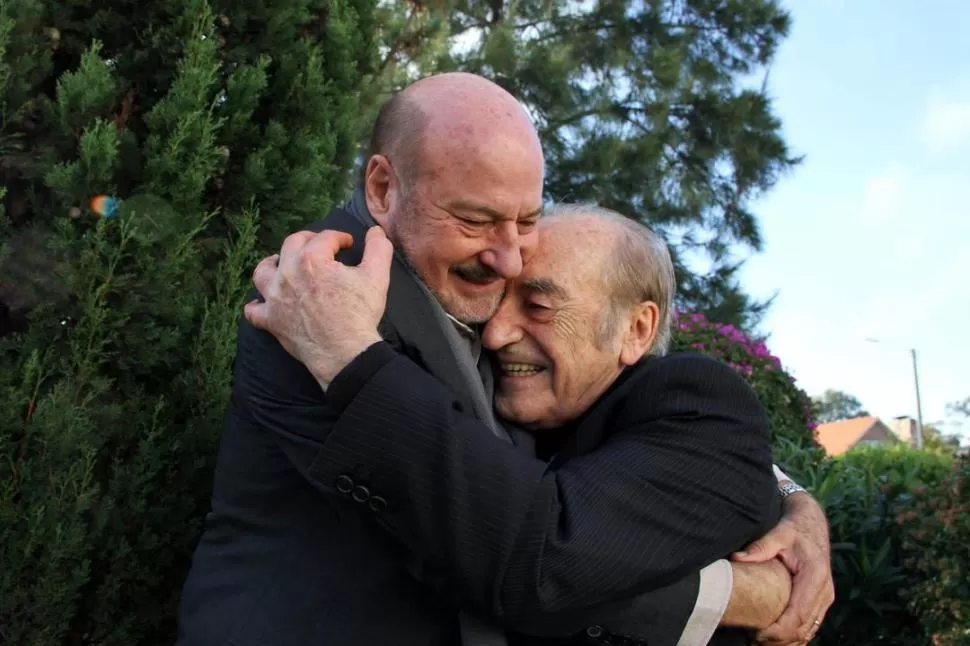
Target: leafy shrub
(863, 492)
(901, 468)
(899, 544)
(860, 492)
(936, 547)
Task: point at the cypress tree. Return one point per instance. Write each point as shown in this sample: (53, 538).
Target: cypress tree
(150, 152)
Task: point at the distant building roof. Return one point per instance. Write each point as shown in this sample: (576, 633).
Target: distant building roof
(838, 437)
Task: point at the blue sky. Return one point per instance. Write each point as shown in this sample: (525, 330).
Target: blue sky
(870, 236)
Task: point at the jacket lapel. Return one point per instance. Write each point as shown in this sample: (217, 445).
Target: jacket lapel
(412, 313)
(417, 323)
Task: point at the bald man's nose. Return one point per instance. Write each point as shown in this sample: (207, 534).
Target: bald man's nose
(504, 255)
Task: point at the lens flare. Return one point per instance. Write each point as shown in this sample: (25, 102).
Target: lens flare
(104, 205)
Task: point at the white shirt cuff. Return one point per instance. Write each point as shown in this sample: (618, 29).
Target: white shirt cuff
(781, 475)
(713, 596)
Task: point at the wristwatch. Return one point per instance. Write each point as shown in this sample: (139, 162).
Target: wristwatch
(789, 488)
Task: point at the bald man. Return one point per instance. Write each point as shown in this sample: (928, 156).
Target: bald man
(455, 178)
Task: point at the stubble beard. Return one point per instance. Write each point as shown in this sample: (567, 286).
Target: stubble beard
(468, 311)
(474, 312)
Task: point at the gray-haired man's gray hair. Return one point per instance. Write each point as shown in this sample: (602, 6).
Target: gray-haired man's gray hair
(639, 269)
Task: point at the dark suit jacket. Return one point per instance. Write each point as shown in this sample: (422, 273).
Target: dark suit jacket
(288, 557)
(668, 472)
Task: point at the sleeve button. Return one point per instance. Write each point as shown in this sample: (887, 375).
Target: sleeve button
(344, 484)
(361, 493)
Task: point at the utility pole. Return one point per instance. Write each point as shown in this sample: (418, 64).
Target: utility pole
(918, 435)
(919, 404)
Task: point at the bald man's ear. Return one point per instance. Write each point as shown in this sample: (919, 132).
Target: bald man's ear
(379, 185)
(641, 333)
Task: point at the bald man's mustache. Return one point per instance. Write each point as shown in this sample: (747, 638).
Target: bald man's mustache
(476, 273)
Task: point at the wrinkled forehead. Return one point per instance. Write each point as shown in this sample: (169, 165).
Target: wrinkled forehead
(574, 244)
(566, 259)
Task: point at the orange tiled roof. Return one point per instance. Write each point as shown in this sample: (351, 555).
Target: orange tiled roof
(838, 437)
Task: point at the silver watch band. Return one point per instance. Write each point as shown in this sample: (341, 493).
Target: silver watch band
(789, 488)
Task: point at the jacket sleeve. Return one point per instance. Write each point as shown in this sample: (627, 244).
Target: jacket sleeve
(687, 483)
(275, 394)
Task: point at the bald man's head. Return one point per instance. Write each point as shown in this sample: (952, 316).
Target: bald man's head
(455, 177)
(397, 131)
(456, 108)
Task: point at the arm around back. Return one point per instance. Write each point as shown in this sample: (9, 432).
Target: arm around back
(275, 395)
(683, 479)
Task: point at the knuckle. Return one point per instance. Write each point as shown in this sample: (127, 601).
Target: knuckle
(305, 261)
(775, 636)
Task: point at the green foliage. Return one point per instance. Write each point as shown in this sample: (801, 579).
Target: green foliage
(865, 557)
(865, 493)
(644, 107)
(900, 468)
(936, 440)
(898, 518)
(117, 334)
(936, 526)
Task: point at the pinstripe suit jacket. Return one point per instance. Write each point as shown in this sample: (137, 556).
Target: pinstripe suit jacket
(298, 549)
(669, 471)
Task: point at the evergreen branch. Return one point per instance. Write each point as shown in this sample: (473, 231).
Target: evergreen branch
(580, 26)
(95, 308)
(615, 109)
(21, 449)
(404, 44)
(570, 119)
(572, 30)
